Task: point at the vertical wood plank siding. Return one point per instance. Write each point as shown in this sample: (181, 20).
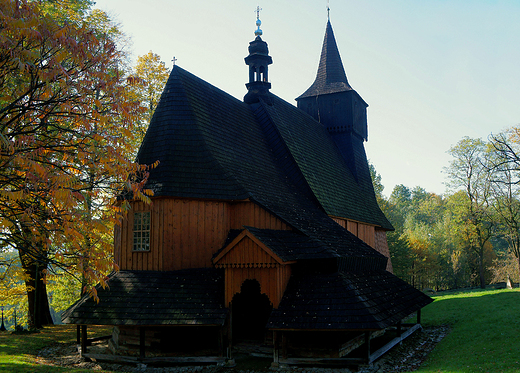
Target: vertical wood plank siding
(382, 247)
(374, 237)
(272, 281)
(364, 232)
(186, 233)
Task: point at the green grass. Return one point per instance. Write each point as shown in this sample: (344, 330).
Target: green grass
(485, 332)
(18, 352)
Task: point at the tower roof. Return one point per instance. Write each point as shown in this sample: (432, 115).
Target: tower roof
(331, 77)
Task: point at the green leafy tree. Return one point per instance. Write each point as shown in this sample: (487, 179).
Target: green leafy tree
(468, 172)
(149, 77)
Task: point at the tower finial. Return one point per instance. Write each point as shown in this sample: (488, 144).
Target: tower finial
(258, 32)
(328, 10)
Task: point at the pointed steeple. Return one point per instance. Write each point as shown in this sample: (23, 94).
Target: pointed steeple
(331, 77)
(339, 108)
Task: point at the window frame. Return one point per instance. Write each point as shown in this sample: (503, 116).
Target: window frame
(142, 231)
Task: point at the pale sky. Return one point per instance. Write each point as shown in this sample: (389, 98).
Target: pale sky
(432, 71)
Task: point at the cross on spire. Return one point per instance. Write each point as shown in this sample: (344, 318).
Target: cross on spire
(258, 32)
(174, 60)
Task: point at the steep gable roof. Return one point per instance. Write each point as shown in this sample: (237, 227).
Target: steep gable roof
(212, 146)
(176, 137)
(323, 167)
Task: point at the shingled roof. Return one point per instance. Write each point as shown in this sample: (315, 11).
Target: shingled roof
(346, 300)
(331, 77)
(185, 297)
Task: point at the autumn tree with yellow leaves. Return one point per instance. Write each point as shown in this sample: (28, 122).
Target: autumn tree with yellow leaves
(66, 135)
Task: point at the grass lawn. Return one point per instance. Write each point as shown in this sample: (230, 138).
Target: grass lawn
(485, 332)
(18, 352)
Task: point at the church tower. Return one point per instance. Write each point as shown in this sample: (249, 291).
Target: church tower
(332, 101)
(258, 62)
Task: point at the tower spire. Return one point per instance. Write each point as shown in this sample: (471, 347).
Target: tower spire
(341, 110)
(331, 75)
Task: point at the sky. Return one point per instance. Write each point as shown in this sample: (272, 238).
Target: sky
(432, 71)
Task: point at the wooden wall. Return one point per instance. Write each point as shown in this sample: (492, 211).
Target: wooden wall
(250, 214)
(273, 281)
(248, 260)
(382, 247)
(364, 232)
(186, 233)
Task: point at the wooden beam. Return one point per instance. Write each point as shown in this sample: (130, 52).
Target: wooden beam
(142, 340)
(419, 316)
(97, 339)
(156, 360)
(345, 361)
(367, 347)
(383, 350)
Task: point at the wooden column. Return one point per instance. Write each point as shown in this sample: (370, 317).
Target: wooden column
(276, 350)
(367, 346)
(142, 341)
(399, 331)
(83, 339)
(284, 345)
(230, 335)
(419, 316)
(78, 334)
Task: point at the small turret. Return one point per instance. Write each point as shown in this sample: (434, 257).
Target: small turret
(258, 61)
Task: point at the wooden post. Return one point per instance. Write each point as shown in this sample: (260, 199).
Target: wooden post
(399, 332)
(284, 345)
(78, 334)
(83, 339)
(367, 346)
(419, 316)
(221, 346)
(276, 350)
(142, 340)
(230, 330)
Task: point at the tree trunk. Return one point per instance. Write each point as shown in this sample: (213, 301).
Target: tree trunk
(518, 261)
(481, 268)
(38, 304)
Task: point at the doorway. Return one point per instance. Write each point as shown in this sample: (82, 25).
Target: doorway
(251, 310)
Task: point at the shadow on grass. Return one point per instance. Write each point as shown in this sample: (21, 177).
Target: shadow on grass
(19, 351)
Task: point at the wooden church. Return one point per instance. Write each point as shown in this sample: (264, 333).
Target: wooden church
(263, 227)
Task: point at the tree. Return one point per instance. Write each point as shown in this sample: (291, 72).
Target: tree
(504, 169)
(468, 172)
(65, 133)
(149, 75)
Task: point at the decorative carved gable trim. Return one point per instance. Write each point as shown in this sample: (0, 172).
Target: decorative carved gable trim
(247, 251)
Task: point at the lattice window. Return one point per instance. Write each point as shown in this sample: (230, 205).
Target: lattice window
(142, 231)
